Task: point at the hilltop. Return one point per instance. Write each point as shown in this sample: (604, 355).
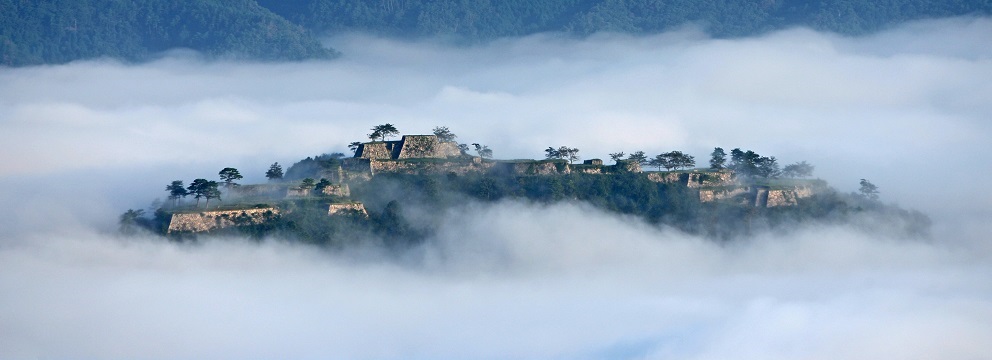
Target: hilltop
(400, 191)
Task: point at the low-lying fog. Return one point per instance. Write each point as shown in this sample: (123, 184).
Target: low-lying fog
(907, 109)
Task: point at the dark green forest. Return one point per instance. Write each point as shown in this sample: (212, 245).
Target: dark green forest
(57, 31)
(404, 210)
(487, 19)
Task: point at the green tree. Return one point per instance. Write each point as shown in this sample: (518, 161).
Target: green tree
(321, 185)
(203, 188)
(308, 184)
(354, 147)
(229, 175)
(443, 134)
(768, 167)
(661, 161)
(275, 172)
(868, 190)
(483, 151)
(683, 160)
(383, 131)
(638, 157)
(212, 192)
(718, 159)
(617, 156)
(130, 221)
(552, 153)
(800, 169)
(176, 191)
(570, 154)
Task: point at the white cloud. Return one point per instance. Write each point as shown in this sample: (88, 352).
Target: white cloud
(906, 108)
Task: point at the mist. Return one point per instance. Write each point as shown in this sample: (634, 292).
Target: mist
(907, 109)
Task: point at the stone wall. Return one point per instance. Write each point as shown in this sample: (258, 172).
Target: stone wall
(532, 167)
(694, 179)
(710, 195)
(409, 147)
(341, 190)
(460, 166)
(758, 196)
(211, 220)
(789, 197)
(297, 192)
(378, 149)
(628, 166)
(668, 177)
(342, 209)
(259, 190)
(426, 146)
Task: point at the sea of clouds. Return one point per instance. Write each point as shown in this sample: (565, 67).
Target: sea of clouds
(907, 109)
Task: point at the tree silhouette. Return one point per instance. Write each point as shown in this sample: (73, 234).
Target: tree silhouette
(638, 157)
(868, 190)
(718, 159)
(274, 172)
(229, 175)
(800, 169)
(176, 191)
(483, 151)
(443, 134)
(617, 156)
(383, 131)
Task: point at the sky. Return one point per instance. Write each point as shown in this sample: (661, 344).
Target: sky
(907, 109)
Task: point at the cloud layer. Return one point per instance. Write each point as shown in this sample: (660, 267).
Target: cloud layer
(907, 109)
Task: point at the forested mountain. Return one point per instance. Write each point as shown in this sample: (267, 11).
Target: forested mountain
(485, 19)
(58, 31)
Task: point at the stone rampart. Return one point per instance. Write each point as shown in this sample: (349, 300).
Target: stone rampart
(409, 147)
(341, 190)
(532, 167)
(694, 179)
(426, 147)
(211, 220)
(711, 195)
(378, 149)
(342, 209)
(258, 190)
(788, 197)
(431, 166)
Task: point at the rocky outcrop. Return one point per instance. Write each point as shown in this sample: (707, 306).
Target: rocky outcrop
(348, 208)
(212, 220)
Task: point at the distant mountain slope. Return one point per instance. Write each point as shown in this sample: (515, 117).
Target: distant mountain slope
(58, 31)
(485, 19)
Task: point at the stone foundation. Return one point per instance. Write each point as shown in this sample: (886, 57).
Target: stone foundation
(342, 209)
(212, 220)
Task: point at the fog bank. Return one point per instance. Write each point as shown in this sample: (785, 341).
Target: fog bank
(908, 109)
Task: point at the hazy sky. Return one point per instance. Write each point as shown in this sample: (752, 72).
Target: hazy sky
(908, 109)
